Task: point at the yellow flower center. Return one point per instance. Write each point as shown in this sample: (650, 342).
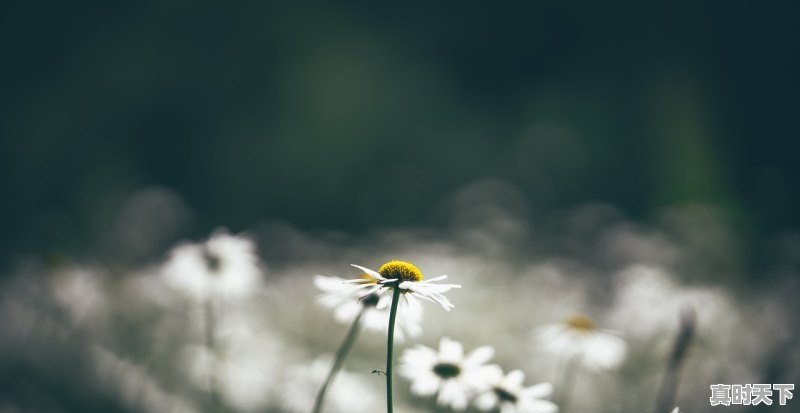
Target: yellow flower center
(580, 323)
(401, 270)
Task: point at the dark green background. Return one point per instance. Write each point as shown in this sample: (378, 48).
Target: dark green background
(363, 115)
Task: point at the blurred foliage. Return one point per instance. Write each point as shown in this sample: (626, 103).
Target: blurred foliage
(361, 115)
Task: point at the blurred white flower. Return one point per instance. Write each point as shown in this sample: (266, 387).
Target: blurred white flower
(348, 393)
(83, 294)
(346, 303)
(649, 300)
(509, 396)
(577, 339)
(408, 278)
(456, 377)
(225, 264)
(676, 410)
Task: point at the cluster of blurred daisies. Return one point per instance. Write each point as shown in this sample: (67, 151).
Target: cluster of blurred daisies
(459, 379)
(211, 329)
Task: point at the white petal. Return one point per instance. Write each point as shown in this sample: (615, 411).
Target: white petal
(356, 281)
(604, 351)
(486, 401)
(419, 358)
(369, 290)
(434, 279)
(479, 356)
(482, 378)
(425, 385)
(346, 312)
(384, 301)
(328, 284)
(443, 301)
(453, 394)
(539, 391)
(409, 285)
(450, 350)
(422, 296)
(412, 301)
(514, 379)
(369, 271)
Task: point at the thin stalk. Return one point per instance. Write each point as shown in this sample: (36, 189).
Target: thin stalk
(211, 346)
(341, 354)
(390, 349)
(568, 382)
(669, 384)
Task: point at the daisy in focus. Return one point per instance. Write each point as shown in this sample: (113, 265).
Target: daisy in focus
(578, 340)
(225, 265)
(346, 303)
(408, 279)
(455, 376)
(509, 396)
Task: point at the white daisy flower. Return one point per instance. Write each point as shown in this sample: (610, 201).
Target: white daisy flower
(509, 396)
(225, 264)
(577, 339)
(456, 377)
(408, 278)
(345, 302)
(349, 393)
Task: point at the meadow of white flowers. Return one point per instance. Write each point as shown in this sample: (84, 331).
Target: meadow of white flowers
(578, 313)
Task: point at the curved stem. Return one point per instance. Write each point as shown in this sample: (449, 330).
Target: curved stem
(390, 349)
(341, 354)
(669, 384)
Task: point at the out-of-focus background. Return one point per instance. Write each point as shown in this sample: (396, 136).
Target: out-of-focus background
(604, 156)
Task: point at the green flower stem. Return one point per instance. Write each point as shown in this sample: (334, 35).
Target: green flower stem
(341, 354)
(390, 348)
(211, 346)
(669, 384)
(568, 381)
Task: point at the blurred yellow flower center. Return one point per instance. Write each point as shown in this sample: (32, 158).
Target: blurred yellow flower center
(368, 279)
(581, 323)
(401, 270)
